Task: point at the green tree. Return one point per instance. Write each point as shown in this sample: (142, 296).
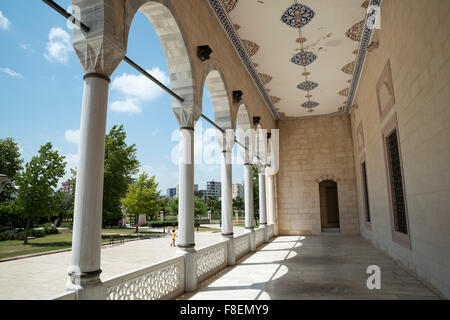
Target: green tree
(10, 165)
(37, 183)
(200, 207)
(142, 198)
(214, 204)
(120, 165)
(173, 205)
(255, 192)
(67, 202)
(238, 204)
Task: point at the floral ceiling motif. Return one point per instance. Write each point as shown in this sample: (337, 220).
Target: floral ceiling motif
(251, 47)
(265, 78)
(309, 104)
(229, 4)
(307, 85)
(308, 57)
(344, 92)
(297, 15)
(304, 58)
(355, 32)
(348, 68)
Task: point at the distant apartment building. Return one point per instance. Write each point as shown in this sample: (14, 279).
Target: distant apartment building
(214, 189)
(67, 187)
(237, 190)
(203, 194)
(171, 192)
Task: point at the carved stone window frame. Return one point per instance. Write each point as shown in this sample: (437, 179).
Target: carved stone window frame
(365, 201)
(398, 237)
(385, 79)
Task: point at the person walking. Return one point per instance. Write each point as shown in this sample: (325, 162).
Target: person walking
(173, 238)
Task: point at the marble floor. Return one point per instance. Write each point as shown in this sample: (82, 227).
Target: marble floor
(311, 267)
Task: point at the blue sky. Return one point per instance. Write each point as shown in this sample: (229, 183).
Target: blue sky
(41, 88)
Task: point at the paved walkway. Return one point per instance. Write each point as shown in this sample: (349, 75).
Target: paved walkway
(45, 276)
(312, 267)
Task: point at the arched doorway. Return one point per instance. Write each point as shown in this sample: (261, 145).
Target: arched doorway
(329, 206)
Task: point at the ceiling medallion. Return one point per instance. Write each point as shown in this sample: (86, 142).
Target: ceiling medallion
(306, 74)
(308, 96)
(310, 104)
(229, 4)
(304, 58)
(251, 47)
(301, 40)
(355, 32)
(265, 78)
(307, 85)
(348, 68)
(297, 15)
(275, 99)
(344, 92)
(310, 110)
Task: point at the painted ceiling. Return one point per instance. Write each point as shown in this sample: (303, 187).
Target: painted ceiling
(302, 54)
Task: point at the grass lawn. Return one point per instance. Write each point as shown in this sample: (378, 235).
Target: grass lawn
(13, 248)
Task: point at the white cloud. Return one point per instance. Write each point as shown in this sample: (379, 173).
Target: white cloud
(10, 72)
(136, 89)
(58, 46)
(155, 132)
(73, 136)
(129, 105)
(26, 47)
(4, 22)
(72, 163)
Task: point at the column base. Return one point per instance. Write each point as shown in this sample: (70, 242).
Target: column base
(87, 285)
(190, 267)
(231, 252)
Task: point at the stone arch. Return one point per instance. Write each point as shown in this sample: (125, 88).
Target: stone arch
(167, 25)
(245, 132)
(328, 177)
(213, 78)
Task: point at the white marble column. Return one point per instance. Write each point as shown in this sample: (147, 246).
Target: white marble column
(227, 204)
(186, 242)
(262, 200)
(249, 209)
(270, 200)
(85, 269)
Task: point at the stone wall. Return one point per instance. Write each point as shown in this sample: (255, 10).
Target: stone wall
(313, 150)
(414, 37)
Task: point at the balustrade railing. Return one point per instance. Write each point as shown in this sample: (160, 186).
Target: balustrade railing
(242, 245)
(164, 280)
(211, 260)
(259, 236)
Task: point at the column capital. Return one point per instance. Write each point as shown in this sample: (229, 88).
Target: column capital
(102, 48)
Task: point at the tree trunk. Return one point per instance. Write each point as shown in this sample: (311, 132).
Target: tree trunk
(27, 228)
(137, 223)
